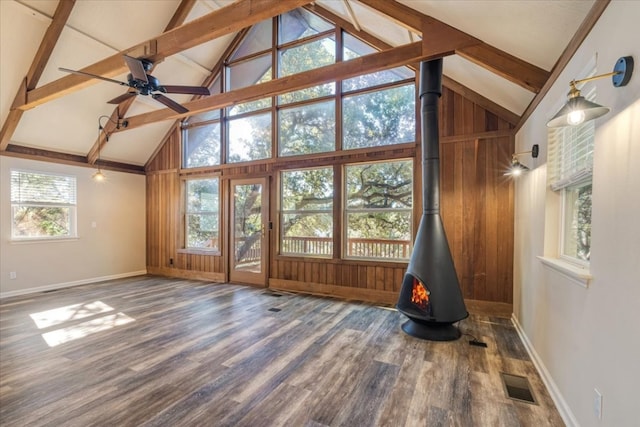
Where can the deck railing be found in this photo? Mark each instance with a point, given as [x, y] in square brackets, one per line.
[365, 248]
[323, 246]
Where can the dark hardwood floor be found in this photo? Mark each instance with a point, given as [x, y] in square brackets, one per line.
[152, 351]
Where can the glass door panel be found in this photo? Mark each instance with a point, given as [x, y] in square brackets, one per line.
[248, 231]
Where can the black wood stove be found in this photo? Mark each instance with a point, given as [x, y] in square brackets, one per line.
[430, 295]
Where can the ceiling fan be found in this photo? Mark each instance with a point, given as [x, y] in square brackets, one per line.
[142, 83]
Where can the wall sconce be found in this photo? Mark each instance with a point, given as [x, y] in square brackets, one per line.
[577, 109]
[99, 176]
[516, 167]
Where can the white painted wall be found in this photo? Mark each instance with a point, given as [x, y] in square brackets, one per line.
[114, 248]
[586, 338]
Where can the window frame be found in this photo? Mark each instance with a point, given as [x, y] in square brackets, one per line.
[578, 177]
[72, 207]
[282, 212]
[186, 212]
[346, 211]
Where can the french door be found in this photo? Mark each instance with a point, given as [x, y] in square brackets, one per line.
[249, 232]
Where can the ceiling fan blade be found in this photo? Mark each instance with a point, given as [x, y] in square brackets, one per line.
[169, 103]
[82, 73]
[137, 69]
[190, 90]
[121, 98]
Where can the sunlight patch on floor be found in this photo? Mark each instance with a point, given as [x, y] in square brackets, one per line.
[70, 333]
[56, 316]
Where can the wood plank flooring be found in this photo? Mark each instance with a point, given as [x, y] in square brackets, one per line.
[201, 354]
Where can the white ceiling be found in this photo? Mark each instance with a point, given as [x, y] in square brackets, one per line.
[535, 31]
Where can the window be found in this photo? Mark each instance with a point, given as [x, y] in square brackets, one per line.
[249, 138]
[202, 218]
[307, 56]
[570, 173]
[43, 206]
[378, 209]
[201, 145]
[379, 118]
[306, 226]
[307, 129]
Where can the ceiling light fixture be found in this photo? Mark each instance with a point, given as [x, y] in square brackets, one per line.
[99, 176]
[516, 167]
[577, 109]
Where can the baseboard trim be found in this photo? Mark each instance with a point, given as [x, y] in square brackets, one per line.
[187, 274]
[56, 286]
[345, 292]
[561, 404]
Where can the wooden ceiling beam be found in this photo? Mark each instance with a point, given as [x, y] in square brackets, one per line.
[377, 43]
[495, 60]
[391, 58]
[178, 18]
[66, 159]
[51, 36]
[226, 20]
[216, 70]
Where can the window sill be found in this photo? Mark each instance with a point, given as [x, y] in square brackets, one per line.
[214, 252]
[576, 274]
[43, 240]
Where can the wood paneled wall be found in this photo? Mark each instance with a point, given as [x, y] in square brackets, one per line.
[476, 206]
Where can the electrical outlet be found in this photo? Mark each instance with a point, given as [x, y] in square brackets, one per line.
[597, 403]
[12, 275]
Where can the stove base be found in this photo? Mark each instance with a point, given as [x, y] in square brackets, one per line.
[431, 331]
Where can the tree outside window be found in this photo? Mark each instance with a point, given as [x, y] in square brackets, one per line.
[202, 218]
[43, 206]
[379, 198]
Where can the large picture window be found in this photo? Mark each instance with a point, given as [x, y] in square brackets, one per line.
[378, 209]
[202, 214]
[306, 202]
[43, 205]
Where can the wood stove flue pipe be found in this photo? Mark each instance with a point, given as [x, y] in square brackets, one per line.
[430, 92]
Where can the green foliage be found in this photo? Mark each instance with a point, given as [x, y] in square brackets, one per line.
[583, 223]
[307, 129]
[202, 146]
[203, 200]
[34, 221]
[379, 118]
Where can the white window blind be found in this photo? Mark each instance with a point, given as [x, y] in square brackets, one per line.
[571, 152]
[42, 189]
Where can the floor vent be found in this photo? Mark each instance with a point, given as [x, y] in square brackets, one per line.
[275, 310]
[517, 387]
[273, 294]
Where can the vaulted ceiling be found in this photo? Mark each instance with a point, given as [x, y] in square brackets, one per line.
[502, 53]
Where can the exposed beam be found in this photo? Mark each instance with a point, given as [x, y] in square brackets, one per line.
[217, 69]
[395, 57]
[482, 101]
[226, 20]
[66, 159]
[179, 16]
[504, 64]
[63, 10]
[585, 28]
